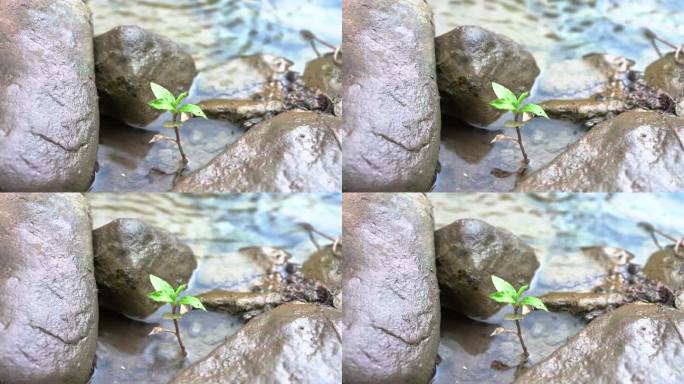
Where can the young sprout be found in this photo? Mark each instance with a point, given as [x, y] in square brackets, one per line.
[522, 306]
[522, 113]
[165, 101]
[164, 293]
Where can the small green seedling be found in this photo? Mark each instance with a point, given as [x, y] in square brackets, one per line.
[522, 306]
[522, 113]
[164, 293]
[165, 101]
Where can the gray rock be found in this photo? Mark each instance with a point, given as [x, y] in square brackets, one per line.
[637, 343]
[325, 75]
[468, 253]
[294, 343]
[667, 268]
[391, 102]
[292, 152]
[127, 251]
[667, 75]
[127, 59]
[636, 151]
[48, 315]
[49, 118]
[469, 59]
[392, 313]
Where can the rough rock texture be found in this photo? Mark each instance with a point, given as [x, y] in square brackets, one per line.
[325, 75]
[391, 102]
[241, 110]
[292, 152]
[634, 152]
[48, 299]
[392, 313]
[127, 59]
[469, 59]
[666, 267]
[325, 267]
[294, 343]
[637, 343]
[127, 251]
[49, 118]
[667, 75]
[468, 253]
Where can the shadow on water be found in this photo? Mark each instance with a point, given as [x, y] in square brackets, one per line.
[215, 227]
[557, 226]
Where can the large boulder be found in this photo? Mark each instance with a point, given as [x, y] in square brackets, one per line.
[667, 75]
[49, 117]
[293, 152]
[392, 313]
[637, 343]
[666, 267]
[127, 251]
[294, 343]
[48, 315]
[469, 59]
[127, 60]
[635, 152]
[468, 253]
[390, 99]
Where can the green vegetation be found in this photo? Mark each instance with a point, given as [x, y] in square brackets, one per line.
[522, 306]
[164, 293]
[165, 101]
[522, 113]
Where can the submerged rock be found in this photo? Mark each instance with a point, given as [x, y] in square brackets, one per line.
[639, 343]
[325, 75]
[469, 59]
[391, 102]
[127, 251]
[667, 268]
[636, 151]
[127, 59]
[292, 152]
[294, 343]
[49, 315]
[392, 313]
[246, 269]
[468, 253]
[49, 118]
[667, 75]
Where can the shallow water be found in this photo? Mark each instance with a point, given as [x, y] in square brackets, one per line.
[213, 31]
[552, 30]
[215, 227]
[556, 226]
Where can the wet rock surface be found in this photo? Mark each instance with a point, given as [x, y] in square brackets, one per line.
[293, 343]
[325, 266]
[241, 110]
[612, 349]
[389, 261]
[468, 253]
[248, 268]
[325, 74]
[49, 117]
[49, 309]
[127, 59]
[127, 251]
[636, 151]
[465, 72]
[304, 154]
[667, 75]
[391, 102]
[667, 268]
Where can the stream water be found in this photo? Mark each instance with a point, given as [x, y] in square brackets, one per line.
[214, 31]
[552, 30]
[215, 227]
[557, 226]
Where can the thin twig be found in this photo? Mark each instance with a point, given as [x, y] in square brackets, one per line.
[653, 38]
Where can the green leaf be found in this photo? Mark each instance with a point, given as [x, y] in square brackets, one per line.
[161, 105]
[521, 290]
[160, 296]
[162, 93]
[502, 297]
[504, 105]
[172, 316]
[504, 93]
[161, 285]
[534, 302]
[180, 98]
[513, 316]
[180, 289]
[193, 109]
[193, 302]
[502, 285]
[535, 110]
[522, 97]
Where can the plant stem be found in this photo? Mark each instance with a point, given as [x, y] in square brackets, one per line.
[522, 343]
[180, 342]
[520, 141]
[178, 140]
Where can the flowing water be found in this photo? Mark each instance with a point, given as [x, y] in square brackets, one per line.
[213, 31]
[215, 227]
[552, 30]
[556, 226]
